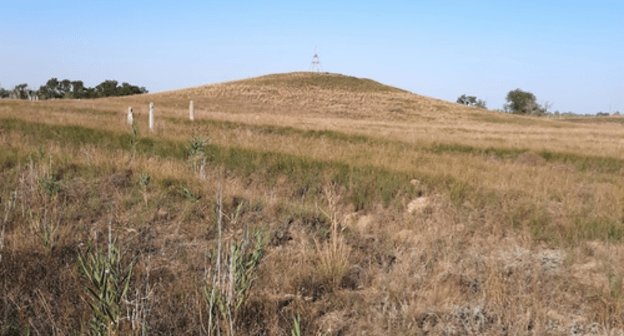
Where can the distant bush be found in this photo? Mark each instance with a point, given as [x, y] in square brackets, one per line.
[4, 93]
[471, 101]
[524, 102]
[20, 91]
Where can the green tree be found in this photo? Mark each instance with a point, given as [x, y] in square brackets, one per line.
[43, 92]
[471, 101]
[127, 89]
[90, 93]
[107, 88]
[521, 102]
[78, 89]
[51, 89]
[21, 91]
[65, 88]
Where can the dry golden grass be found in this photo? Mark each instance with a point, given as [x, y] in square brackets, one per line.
[473, 222]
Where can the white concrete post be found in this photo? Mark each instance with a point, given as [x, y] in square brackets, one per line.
[151, 116]
[191, 111]
[130, 116]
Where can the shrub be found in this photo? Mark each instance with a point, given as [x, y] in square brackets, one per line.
[522, 102]
[106, 282]
[49, 185]
[471, 101]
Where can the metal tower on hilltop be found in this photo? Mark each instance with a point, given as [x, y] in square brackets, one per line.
[316, 63]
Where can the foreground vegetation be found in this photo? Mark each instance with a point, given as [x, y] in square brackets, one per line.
[273, 214]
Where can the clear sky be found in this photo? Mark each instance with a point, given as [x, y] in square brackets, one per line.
[569, 53]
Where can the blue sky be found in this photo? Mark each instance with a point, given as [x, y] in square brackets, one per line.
[569, 53]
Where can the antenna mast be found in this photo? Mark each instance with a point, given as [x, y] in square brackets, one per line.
[316, 63]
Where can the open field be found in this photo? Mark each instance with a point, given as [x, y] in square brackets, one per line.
[375, 210]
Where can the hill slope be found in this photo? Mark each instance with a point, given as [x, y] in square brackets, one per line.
[304, 94]
[363, 209]
[322, 101]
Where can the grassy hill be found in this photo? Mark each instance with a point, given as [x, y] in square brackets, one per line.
[351, 206]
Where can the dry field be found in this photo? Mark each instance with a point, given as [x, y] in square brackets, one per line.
[307, 204]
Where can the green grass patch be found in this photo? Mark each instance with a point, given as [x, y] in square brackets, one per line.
[9, 158]
[516, 119]
[282, 131]
[364, 186]
[503, 153]
[599, 164]
[596, 229]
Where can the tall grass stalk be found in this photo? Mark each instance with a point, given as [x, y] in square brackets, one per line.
[144, 181]
[197, 154]
[296, 330]
[230, 280]
[138, 314]
[8, 206]
[332, 256]
[134, 139]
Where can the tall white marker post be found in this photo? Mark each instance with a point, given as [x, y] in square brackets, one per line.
[151, 116]
[130, 116]
[191, 111]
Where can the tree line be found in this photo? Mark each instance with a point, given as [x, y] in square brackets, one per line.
[58, 89]
[523, 102]
[518, 102]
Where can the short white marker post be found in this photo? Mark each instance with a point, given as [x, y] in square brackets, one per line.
[191, 111]
[151, 116]
[130, 116]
